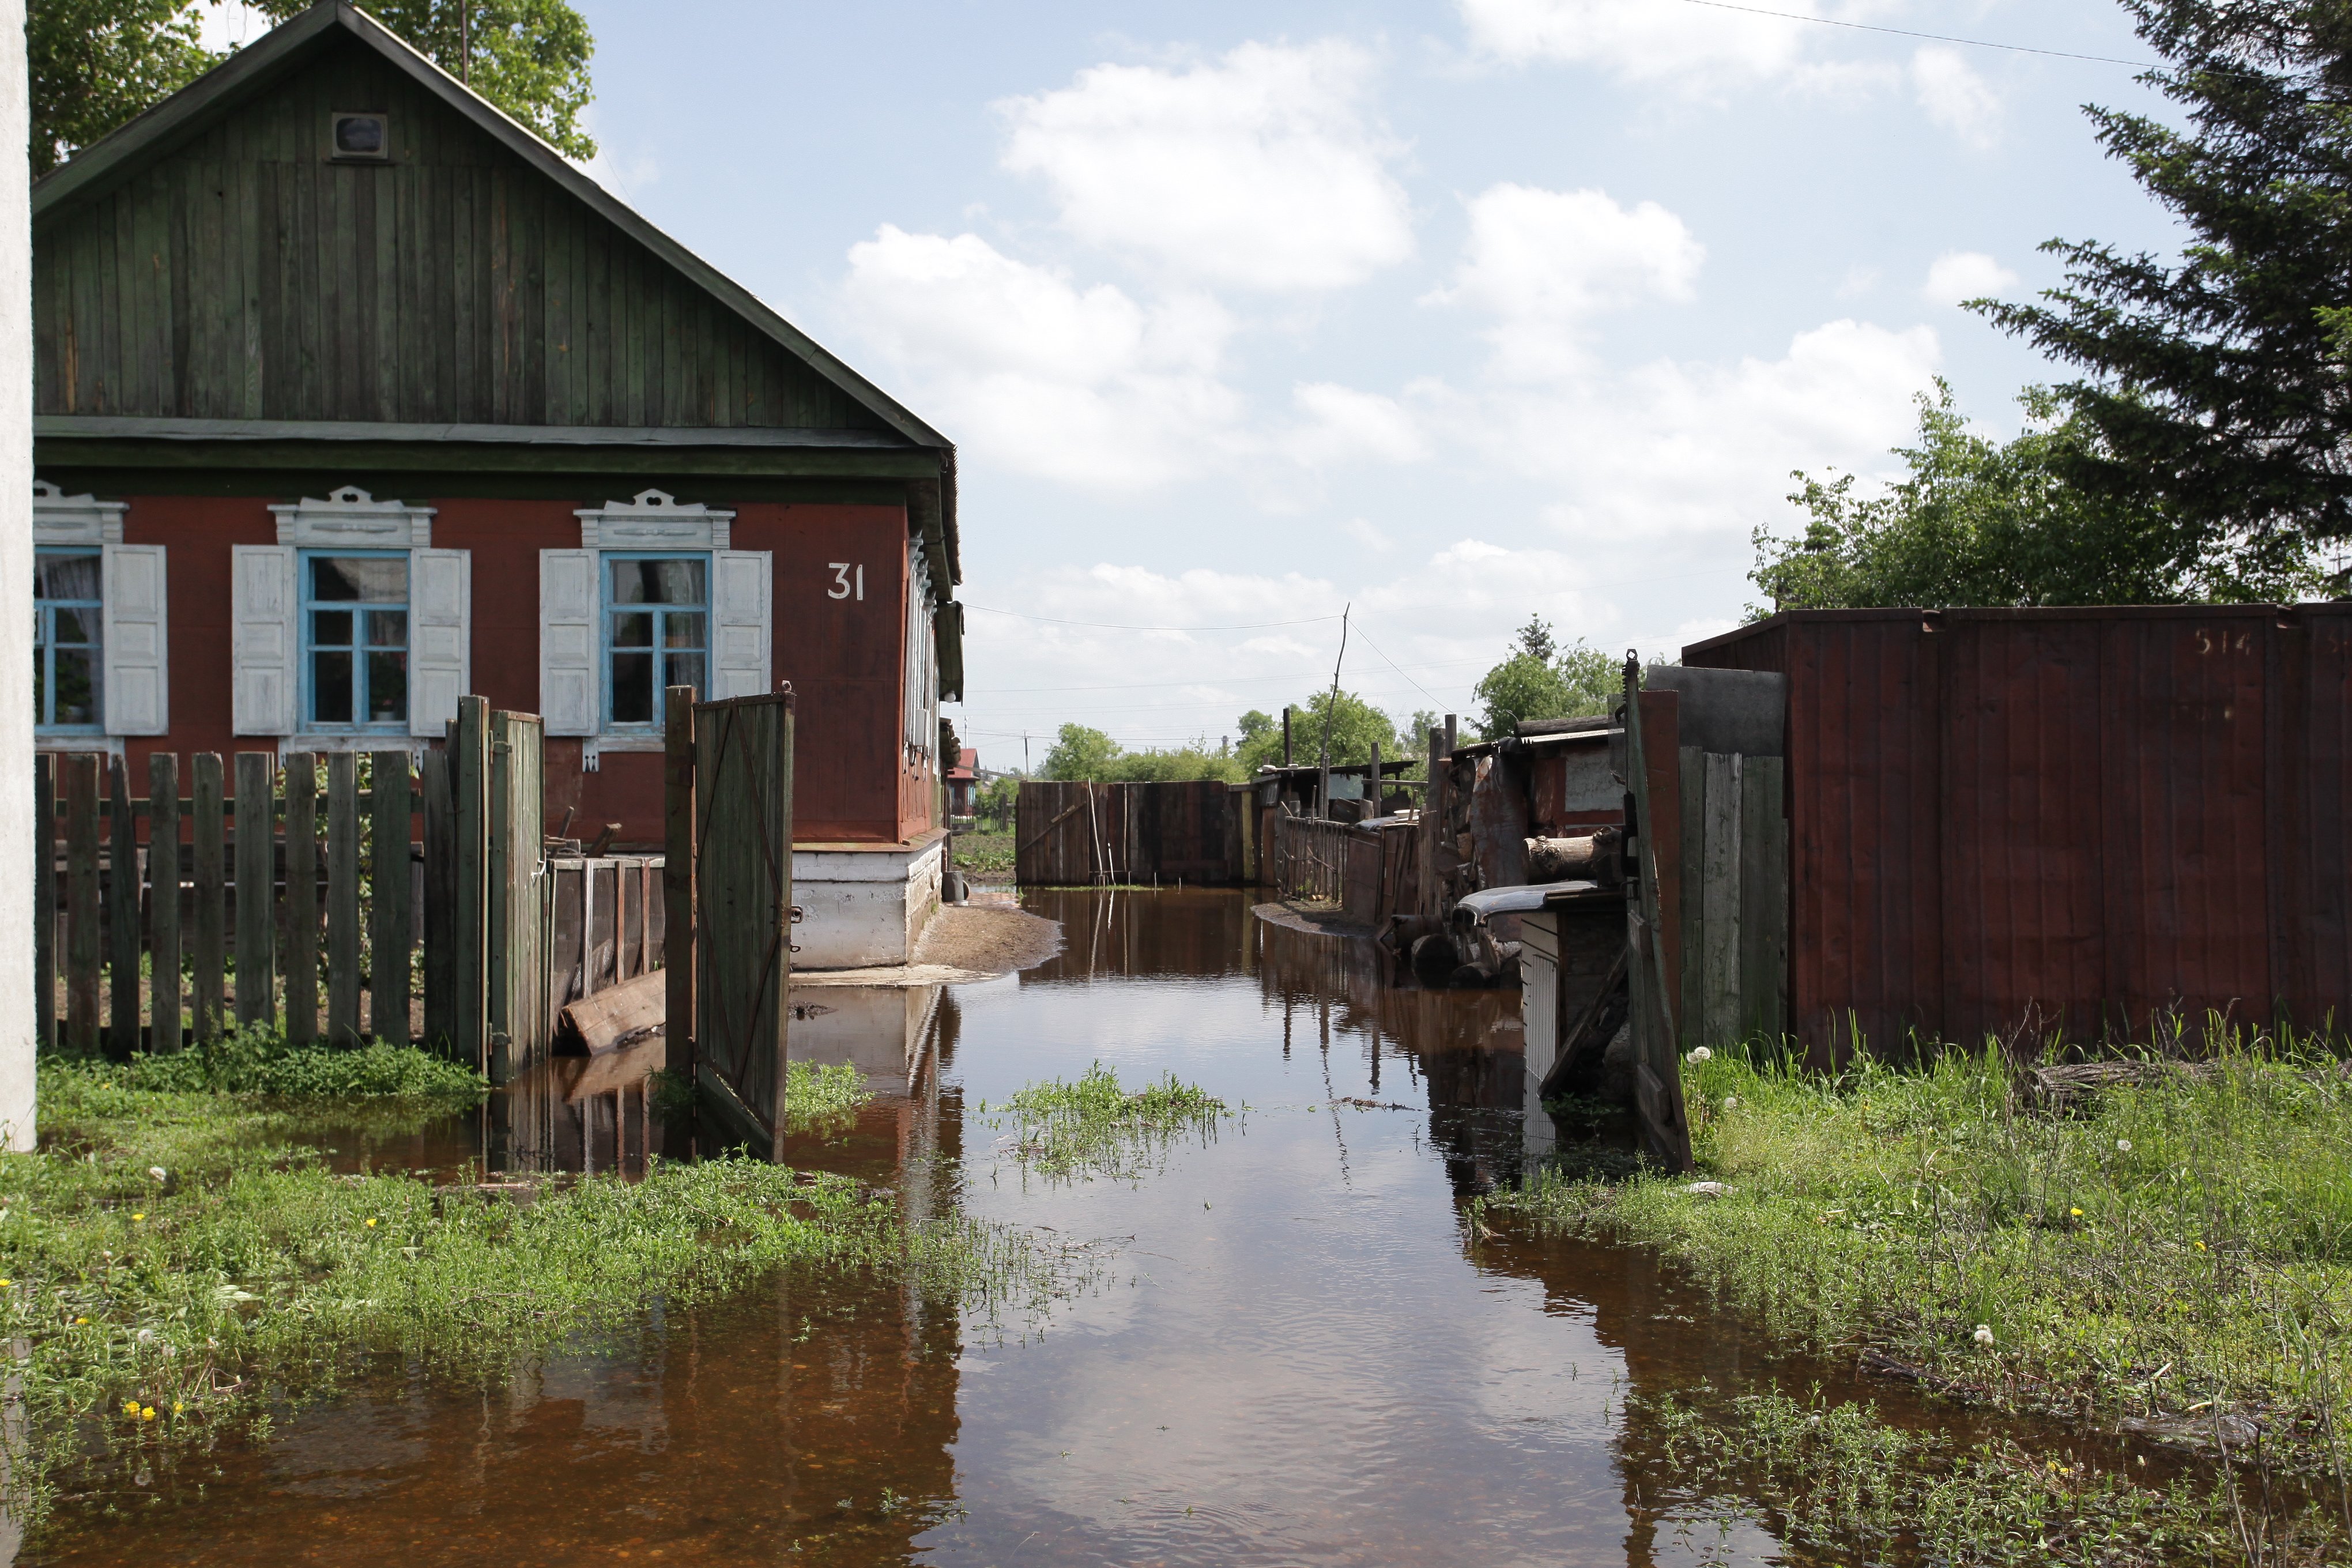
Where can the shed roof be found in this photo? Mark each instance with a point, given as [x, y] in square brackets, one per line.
[211, 289]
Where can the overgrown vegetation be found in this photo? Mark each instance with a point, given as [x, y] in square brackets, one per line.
[175, 1266]
[985, 853]
[2172, 1256]
[250, 1060]
[1838, 1482]
[1542, 679]
[1094, 1126]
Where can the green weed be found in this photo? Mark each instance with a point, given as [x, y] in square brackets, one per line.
[2174, 1256]
[1092, 1126]
[258, 1059]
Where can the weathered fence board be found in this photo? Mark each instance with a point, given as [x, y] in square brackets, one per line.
[1734, 916]
[122, 915]
[743, 883]
[208, 915]
[300, 783]
[342, 897]
[81, 903]
[514, 953]
[256, 878]
[45, 905]
[683, 1025]
[393, 930]
[163, 900]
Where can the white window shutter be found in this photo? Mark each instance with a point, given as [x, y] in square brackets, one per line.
[262, 643]
[569, 696]
[136, 692]
[440, 636]
[742, 581]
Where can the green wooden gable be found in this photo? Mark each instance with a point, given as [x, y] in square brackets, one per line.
[210, 272]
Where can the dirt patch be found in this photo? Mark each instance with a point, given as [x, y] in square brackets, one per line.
[988, 940]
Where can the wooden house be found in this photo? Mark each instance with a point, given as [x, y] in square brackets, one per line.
[353, 396]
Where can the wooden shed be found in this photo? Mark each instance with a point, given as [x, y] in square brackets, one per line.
[353, 395]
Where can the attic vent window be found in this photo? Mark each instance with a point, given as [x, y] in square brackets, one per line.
[362, 138]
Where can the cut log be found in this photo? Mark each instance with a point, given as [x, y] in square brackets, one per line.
[1597, 857]
[614, 1016]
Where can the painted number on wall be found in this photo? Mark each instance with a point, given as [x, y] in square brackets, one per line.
[2223, 642]
[843, 586]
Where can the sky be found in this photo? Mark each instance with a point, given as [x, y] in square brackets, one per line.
[1441, 315]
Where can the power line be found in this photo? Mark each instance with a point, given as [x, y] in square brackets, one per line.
[1933, 38]
[1228, 680]
[1393, 664]
[1114, 626]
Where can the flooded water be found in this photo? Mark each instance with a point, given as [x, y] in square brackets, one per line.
[1302, 1349]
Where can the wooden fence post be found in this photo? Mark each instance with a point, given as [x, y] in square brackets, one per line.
[81, 902]
[393, 926]
[256, 878]
[208, 912]
[470, 783]
[518, 975]
[342, 897]
[301, 785]
[163, 900]
[678, 946]
[122, 914]
[440, 901]
[44, 901]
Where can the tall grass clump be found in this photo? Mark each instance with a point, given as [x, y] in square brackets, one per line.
[170, 1267]
[256, 1059]
[1093, 1125]
[2169, 1254]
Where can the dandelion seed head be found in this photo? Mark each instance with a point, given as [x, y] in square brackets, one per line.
[2123, 1145]
[1701, 1054]
[1984, 1333]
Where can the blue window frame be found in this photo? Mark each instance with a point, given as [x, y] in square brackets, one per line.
[355, 639]
[656, 616]
[67, 663]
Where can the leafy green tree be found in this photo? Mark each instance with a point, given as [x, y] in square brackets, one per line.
[1080, 752]
[995, 802]
[2214, 392]
[1355, 725]
[1178, 765]
[1980, 522]
[94, 64]
[1541, 680]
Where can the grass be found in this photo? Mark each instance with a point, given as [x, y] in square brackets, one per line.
[985, 853]
[821, 1100]
[1094, 1126]
[2172, 1256]
[255, 1061]
[1839, 1483]
[174, 1267]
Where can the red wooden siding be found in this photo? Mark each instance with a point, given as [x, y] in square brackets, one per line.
[2073, 819]
[851, 781]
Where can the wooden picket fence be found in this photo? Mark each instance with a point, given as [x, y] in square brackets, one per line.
[302, 901]
[1310, 857]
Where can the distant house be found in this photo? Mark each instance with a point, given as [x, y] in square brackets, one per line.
[963, 782]
[353, 396]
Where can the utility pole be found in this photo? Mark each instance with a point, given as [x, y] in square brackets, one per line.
[1024, 755]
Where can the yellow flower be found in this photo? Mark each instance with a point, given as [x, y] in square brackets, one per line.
[137, 1217]
[131, 1408]
[148, 1414]
[82, 1319]
[6, 1284]
[2076, 1213]
[370, 1225]
[177, 1407]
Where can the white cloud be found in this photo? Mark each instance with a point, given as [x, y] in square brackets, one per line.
[230, 24]
[1667, 464]
[1958, 275]
[1087, 387]
[1641, 40]
[1543, 263]
[1259, 171]
[1342, 425]
[1954, 96]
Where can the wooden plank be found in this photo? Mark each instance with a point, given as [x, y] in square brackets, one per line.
[517, 902]
[1719, 897]
[743, 887]
[44, 901]
[677, 882]
[440, 899]
[80, 772]
[1691, 1005]
[1654, 914]
[301, 787]
[391, 938]
[256, 906]
[163, 1028]
[469, 776]
[342, 897]
[209, 907]
[122, 921]
[614, 1016]
[1763, 899]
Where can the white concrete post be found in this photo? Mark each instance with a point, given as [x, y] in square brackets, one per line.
[18, 838]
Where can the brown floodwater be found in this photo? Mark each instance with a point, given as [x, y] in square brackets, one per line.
[1299, 1347]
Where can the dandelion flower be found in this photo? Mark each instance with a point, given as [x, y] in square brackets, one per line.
[2076, 1213]
[82, 1319]
[6, 1284]
[177, 1407]
[2200, 1246]
[148, 1414]
[1700, 1054]
[370, 1225]
[2123, 1145]
[131, 1408]
[1984, 1333]
[137, 1217]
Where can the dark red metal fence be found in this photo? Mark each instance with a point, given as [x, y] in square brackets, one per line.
[2062, 819]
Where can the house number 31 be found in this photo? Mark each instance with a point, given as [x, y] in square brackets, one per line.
[843, 588]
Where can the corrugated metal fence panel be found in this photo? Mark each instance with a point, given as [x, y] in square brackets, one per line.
[2076, 819]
